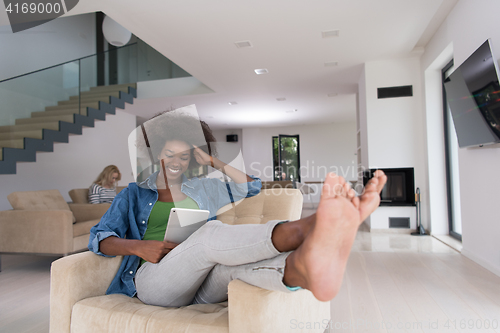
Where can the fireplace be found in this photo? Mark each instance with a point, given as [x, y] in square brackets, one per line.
[399, 189]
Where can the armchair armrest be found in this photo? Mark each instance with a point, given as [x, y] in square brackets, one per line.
[36, 231]
[74, 278]
[253, 309]
[87, 212]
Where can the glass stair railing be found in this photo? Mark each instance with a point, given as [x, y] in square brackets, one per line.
[45, 106]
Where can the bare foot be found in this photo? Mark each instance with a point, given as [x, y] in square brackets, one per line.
[370, 199]
[319, 262]
[289, 236]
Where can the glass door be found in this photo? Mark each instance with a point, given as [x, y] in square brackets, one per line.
[286, 157]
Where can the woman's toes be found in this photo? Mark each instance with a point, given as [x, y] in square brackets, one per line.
[330, 186]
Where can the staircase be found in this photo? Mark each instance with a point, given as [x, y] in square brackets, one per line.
[20, 142]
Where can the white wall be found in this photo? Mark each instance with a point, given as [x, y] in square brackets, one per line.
[75, 164]
[52, 43]
[60, 40]
[395, 129]
[228, 152]
[466, 28]
[323, 148]
[49, 44]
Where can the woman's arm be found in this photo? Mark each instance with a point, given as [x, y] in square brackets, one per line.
[149, 250]
[94, 194]
[109, 236]
[236, 175]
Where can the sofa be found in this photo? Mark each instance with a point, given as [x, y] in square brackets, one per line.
[81, 195]
[79, 282]
[43, 223]
[288, 184]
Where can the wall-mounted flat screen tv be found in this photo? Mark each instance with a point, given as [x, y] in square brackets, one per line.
[473, 95]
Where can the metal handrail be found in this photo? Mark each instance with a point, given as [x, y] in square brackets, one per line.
[67, 62]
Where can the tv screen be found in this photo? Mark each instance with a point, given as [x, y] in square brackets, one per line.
[473, 95]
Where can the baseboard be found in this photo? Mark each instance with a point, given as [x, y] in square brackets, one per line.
[393, 231]
[494, 269]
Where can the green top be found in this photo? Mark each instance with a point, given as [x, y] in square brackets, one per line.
[158, 219]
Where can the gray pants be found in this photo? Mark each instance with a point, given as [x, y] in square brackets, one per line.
[200, 268]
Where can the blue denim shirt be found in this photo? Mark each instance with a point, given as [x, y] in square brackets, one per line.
[129, 213]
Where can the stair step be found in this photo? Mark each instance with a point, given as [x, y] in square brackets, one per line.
[115, 87]
[28, 127]
[15, 143]
[39, 120]
[35, 134]
[75, 102]
[84, 105]
[59, 112]
[13, 136]
[98, 94]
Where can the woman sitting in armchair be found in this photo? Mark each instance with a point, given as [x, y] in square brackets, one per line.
[310, 253]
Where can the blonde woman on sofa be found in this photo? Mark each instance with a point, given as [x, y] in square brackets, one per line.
[310, 253]
[103, 189]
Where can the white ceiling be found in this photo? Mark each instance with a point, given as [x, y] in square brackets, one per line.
[199, 36]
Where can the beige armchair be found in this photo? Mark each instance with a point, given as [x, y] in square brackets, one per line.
[78, 284]
[41, 222]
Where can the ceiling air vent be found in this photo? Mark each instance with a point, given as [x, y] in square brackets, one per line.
[392, 92]
[330, 33]
[242, 44]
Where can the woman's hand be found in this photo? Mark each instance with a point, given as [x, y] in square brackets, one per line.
[201, 157]
[152, 250]
[149, 250]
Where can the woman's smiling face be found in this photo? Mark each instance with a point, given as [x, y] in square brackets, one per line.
[176, 156]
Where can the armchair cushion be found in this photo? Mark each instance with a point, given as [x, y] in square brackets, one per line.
[119, 313]
[38, 200]
[285, 204]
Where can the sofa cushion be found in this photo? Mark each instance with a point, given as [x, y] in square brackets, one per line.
[79, 195]
[38, 200]
[83, 228]
[120, 313]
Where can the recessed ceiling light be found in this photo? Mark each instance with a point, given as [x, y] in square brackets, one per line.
[331, 63]
[332, 94]
[242, 44]
[233, 103]
[261, 71]
[281, 99]
[330, 33]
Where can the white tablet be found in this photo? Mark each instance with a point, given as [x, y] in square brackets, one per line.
[183, 222]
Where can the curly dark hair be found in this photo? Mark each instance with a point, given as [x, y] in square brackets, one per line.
[169, 126]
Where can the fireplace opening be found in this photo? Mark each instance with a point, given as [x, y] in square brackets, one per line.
[399, 189]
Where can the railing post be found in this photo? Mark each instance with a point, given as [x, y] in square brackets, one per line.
[79, 86]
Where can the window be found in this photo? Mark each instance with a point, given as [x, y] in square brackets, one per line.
[286, 157]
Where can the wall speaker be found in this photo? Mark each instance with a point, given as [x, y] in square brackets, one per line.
[391, 92]
[232, 138]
